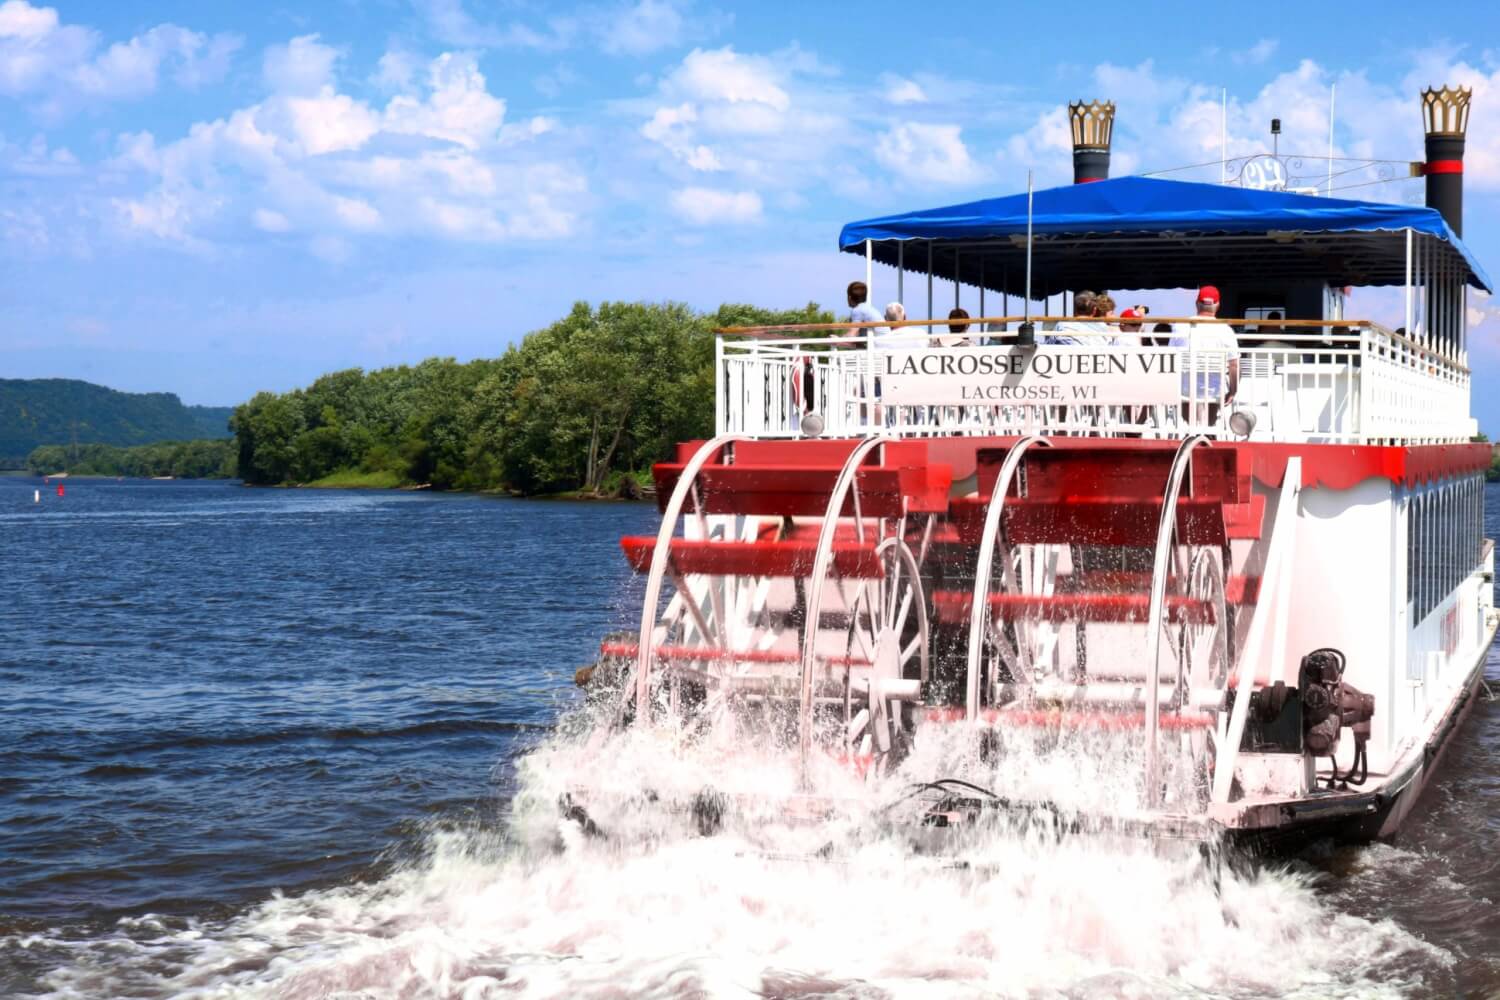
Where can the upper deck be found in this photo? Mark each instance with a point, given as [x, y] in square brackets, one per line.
[1354, 383]
[1308, 375]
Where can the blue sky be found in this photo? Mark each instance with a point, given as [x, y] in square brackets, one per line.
[214, 199]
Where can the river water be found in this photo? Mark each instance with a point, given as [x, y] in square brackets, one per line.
[304, 744]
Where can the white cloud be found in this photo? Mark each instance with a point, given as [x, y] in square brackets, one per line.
[18, 19]
[531, 128]
[771, 120]
[726, 75]
[458, 108]
[927, 153]
[1257, 53]
[303, 65]
[395, 71]
[706, 206]
[669, 127]
[167, 215]
[271, 222]
[38, 159]
[355, 213]
[641, 28]
[330, 122]
[666, 121]
[630, 28]
[332, 249]
[450, 23]
[442, 163]
[61, 65]
[1478, 308]
[552, 83]
[1046, 148]
[899, 90]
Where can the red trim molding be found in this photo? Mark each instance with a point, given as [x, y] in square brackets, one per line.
[1330, 466]
[1342, 466]
[1443, 167]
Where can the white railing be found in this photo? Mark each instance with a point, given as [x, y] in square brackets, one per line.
[1358, 383]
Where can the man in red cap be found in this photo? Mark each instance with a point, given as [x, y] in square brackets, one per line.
[1213, 375]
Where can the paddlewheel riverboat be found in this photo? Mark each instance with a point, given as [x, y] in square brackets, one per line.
[1264, 570]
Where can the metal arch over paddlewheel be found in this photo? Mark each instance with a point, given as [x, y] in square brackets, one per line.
[1102, 547]
[832, 596]
[797, 613]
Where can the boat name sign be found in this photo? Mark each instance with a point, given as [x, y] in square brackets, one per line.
[1045, 375]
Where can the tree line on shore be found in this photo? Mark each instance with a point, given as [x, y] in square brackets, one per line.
[202, 459]
[586, 404]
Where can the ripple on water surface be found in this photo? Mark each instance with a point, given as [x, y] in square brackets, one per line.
[298, 744]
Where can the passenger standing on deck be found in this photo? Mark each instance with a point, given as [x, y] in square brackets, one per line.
[1216, 361]
[860, 311]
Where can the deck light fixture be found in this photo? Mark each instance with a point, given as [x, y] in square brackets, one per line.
[1242, 422]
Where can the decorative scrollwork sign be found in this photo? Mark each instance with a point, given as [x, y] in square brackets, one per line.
[1263, 173]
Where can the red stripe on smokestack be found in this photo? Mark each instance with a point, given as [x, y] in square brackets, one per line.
[1445, 116]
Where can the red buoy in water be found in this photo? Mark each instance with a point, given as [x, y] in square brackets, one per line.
[59, 489]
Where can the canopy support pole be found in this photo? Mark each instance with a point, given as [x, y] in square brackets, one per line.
[1408, 328]
[869, 269]
[1332, 91]
[1223, 134]
[955, 278]
[901, 272]
[929, 281]
[1028, 246]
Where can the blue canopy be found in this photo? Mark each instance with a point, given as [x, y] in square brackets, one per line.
[1142, 232]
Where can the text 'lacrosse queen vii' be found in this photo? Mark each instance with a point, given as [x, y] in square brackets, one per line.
[1047, 375]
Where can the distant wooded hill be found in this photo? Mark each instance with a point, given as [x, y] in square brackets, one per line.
[45, 411]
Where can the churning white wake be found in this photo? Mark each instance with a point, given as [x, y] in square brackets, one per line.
[839, 904]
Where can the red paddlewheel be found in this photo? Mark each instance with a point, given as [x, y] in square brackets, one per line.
[803, 490]
[1244, 520]
[1070, 719]
[1128, 470]
[859, 763]
[1091, 520]
[1237, 589]
[953, 607]
[857, 560]
[705, 654]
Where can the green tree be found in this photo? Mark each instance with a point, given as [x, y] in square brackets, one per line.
[574, 406]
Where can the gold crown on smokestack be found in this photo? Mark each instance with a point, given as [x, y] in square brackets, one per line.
[1446, 111]
[1093, 123]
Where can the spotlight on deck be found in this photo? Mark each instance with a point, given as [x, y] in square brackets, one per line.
[1242, 422]
[812, 425]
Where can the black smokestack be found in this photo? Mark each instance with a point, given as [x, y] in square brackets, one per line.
[1445, 115]
[1093, 124]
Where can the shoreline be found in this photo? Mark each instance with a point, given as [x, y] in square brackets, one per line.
[566, 496]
